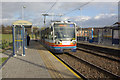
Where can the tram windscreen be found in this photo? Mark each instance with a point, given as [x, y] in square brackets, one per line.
[64, 31]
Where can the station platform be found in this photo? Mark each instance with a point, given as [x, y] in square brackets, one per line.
[100, 45]
[38, 62]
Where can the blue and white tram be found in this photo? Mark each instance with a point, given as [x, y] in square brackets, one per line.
[60, 36]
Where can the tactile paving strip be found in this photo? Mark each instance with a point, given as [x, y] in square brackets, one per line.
[50, 67]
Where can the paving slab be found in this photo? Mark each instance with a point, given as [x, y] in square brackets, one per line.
[29, 66]
[38, 62]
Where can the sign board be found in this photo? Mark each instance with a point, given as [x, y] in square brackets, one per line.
[115, 34]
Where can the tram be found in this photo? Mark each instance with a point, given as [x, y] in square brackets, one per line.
[59, 36]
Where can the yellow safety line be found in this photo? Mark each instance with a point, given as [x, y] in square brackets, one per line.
[18, 40]
[66, 66]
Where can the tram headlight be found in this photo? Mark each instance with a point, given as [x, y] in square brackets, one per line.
[74, 42]
[55, 42]
[58, 42]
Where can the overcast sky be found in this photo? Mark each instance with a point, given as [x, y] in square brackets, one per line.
[93, 14]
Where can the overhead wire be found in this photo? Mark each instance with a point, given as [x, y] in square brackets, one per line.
[51, 6]
[46, 13]
[77, 8]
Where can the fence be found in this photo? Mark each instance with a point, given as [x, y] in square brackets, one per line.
[6, 40]
[105, 35]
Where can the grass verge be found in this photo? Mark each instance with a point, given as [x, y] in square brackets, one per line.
[3, 60]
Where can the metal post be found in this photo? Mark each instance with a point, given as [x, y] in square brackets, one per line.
[92, 34]
[86, 36]
[23, 33]
[17, 39]
[21, 37]
[81, 31]
[81, 19]
[44, 20]
[52, 16]
[98, 36]
[26, 39]
[23, 12]
[13, 33]
[32, 32]
[119, 35]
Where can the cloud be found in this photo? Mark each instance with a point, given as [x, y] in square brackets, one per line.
[100, 20]
[61, 0]
[82, 18]
[0, 10]
[65, 18]
[12, 11]
[104, 16]
[33, 11]
[77, 18]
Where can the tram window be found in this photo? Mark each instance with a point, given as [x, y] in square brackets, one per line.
[51, 33]
[45, 36]
[50, 37]
[51, 28]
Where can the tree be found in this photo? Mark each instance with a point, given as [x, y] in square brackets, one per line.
[3, 29]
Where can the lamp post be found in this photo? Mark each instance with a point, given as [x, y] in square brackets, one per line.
[81, 19]
[23, 7]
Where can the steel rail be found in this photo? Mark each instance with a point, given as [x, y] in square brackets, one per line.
[94, 66]
[81, 75]
[95, 53]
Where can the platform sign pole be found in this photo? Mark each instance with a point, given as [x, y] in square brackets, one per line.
[23, 33]
[13, 33]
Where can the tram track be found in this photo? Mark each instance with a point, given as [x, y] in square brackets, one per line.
[81, 75]
[109, 57]
[90, 65]
[102, 50]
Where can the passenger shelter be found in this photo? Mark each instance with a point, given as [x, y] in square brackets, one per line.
[19, 31]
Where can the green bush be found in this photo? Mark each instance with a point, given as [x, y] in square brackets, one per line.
[4, 44]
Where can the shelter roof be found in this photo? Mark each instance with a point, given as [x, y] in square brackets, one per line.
[22, 22]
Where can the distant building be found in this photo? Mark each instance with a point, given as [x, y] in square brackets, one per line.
[117, 23]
